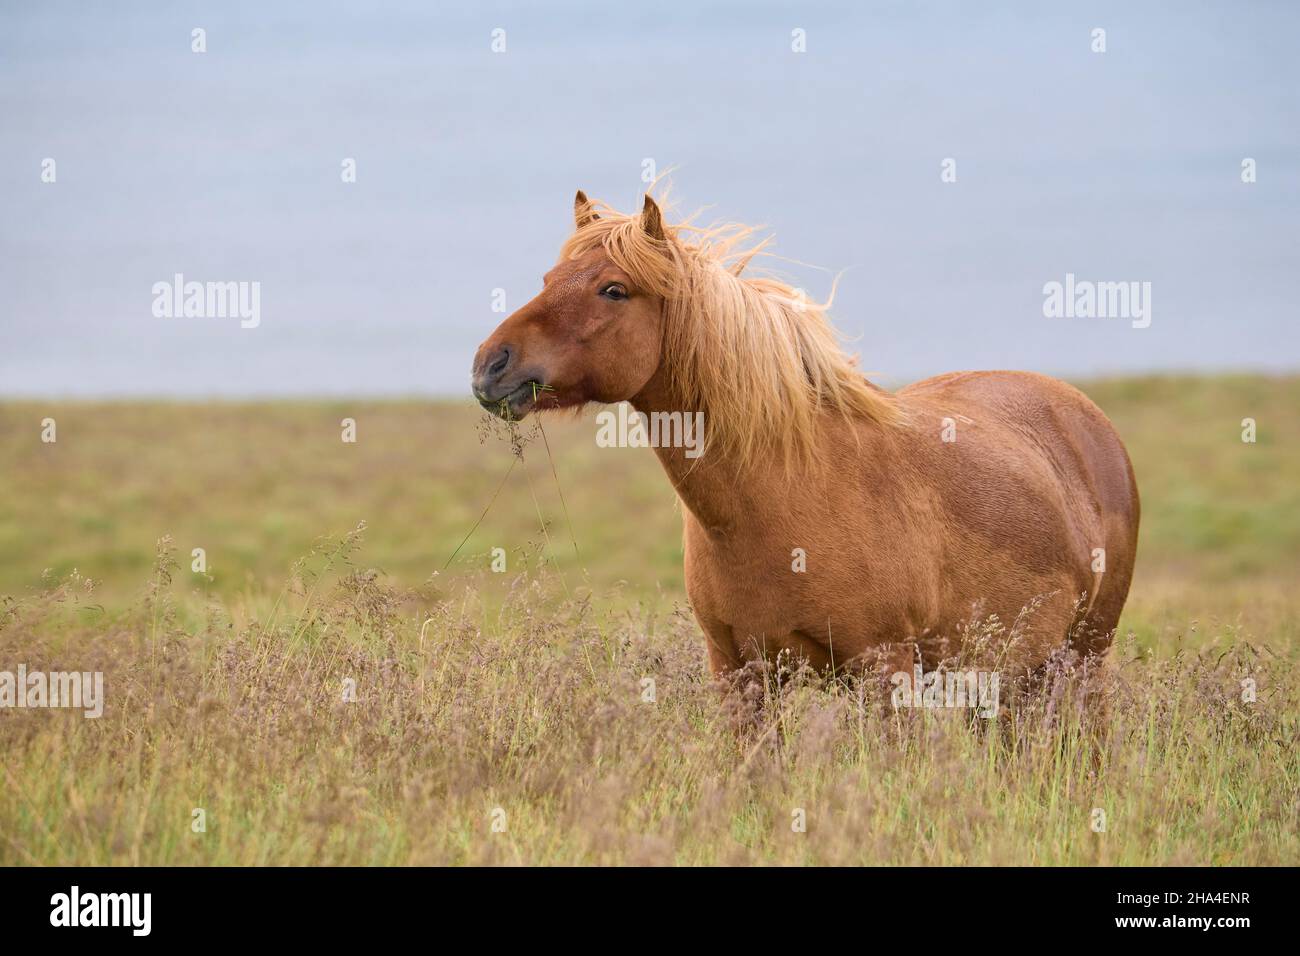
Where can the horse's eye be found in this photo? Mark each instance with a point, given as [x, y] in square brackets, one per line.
[614, 291]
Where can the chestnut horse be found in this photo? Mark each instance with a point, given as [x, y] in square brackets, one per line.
[827, 517]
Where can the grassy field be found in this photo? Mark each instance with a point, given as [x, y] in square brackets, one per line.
[503, 717]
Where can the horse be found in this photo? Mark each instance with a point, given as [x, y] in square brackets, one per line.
[828, 518]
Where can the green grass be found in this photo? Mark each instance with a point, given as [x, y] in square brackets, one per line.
[523, 691]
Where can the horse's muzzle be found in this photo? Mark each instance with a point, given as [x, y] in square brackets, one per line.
[510, 405]
[501, 387]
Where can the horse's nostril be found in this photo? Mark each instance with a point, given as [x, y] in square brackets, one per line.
[501, 362]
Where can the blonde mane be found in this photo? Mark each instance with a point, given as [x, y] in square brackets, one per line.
[752, 353]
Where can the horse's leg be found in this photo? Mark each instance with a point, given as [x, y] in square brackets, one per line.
[723, 656]
[741, 691]
[1093, 634]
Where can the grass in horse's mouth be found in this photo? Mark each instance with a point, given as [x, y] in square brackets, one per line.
[503, 406]
[535, 387]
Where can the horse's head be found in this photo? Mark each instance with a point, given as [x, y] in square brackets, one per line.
[591, 335]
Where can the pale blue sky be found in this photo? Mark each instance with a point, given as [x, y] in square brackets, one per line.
[225, 166]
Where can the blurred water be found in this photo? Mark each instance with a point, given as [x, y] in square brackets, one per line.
[226, 166]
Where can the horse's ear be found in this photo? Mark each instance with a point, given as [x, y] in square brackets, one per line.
[583, 214]
[652, 221]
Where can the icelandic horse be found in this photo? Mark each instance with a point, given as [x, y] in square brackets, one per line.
[993, 493]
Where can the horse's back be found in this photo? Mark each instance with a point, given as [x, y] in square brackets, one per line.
[1066, 426]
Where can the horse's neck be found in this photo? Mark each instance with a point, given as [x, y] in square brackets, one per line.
[715, 491]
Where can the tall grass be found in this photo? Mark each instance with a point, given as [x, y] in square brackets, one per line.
[532, 713]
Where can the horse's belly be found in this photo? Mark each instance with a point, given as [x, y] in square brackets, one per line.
[826, 602]
[836, 604]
